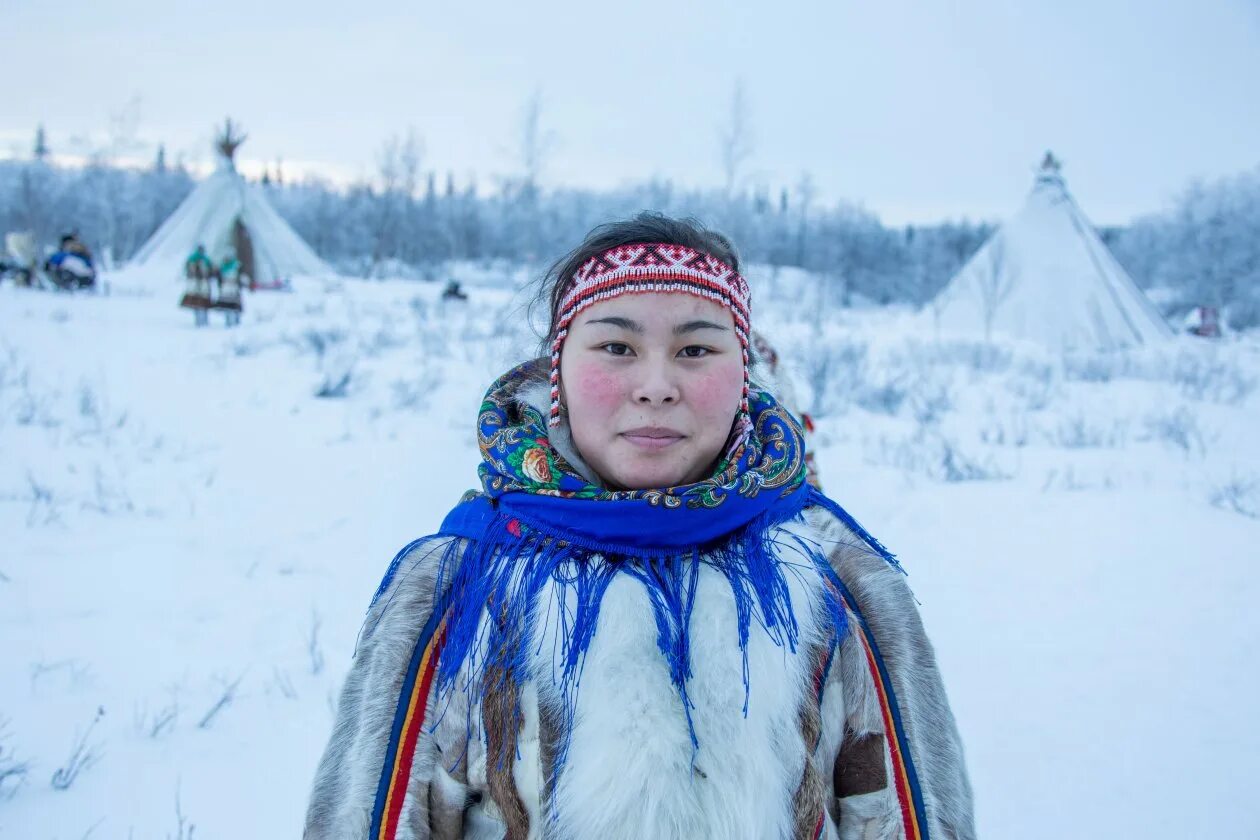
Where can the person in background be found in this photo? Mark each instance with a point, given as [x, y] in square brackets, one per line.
[198, 270]
[229, 297]
[454, 291]
[70, 266]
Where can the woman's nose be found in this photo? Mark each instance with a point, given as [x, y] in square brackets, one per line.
[657, 386]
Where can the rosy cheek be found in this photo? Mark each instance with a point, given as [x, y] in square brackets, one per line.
[717, 392]
[593, 385]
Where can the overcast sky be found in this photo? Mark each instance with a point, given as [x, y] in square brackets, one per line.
[918, 109]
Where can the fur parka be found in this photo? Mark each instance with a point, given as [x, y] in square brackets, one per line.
[775, 764]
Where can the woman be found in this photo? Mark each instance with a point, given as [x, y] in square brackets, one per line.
[229, 298]
[198, 269]
[647, 624]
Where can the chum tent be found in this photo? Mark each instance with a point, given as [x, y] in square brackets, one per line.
[1046, 276]
[226, 211]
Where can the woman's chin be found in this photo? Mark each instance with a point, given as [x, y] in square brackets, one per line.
[647, 477]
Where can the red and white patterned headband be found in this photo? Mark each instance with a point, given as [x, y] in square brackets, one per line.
[647, 268]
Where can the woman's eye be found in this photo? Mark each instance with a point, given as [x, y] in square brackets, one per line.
[694, 352]
[614, 348]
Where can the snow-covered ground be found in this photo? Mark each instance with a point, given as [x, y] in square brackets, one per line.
[191, 535]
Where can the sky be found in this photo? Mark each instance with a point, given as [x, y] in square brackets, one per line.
[919, 110]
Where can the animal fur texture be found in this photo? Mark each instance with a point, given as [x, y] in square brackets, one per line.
[632, 770]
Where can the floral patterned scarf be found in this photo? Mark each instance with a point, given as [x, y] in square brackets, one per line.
[522, 474]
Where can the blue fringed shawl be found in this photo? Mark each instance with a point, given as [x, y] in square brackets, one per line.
[538, 522]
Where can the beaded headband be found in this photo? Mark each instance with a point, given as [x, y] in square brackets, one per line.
[646, 268]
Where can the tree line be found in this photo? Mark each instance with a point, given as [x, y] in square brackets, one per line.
[1205, 249]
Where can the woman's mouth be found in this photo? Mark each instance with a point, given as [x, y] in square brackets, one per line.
[652, 437]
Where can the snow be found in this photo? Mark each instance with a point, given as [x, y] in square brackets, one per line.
[182, 515]
[1045, 276]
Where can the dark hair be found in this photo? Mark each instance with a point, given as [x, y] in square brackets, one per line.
[645, 227]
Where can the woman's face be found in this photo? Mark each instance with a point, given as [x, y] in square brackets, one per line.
[652, 383]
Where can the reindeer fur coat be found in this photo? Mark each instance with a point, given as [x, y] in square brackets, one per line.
[791, 766]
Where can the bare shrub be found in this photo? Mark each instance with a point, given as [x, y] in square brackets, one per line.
[416, 393]
[283, 683]
[108, 496]
[884, 398]
[335, 384]
[43, 509]
[84, 753]
[1069, 481]
[1239, 494]
[1080, 432]
[184, 827]
[1094, 367]
[978, 356]
[929, 401]
[1034, 384]
[380, 340]
[938, 457]
[1178, 428]
[78, 674]
[320, 340]
[1011, 432]
[956, 465]
[227, 695]
[835, 372]
[159, 722]
[1211, 378]
[32, 409]
[13, 771]
[245, 346]
[314, 650]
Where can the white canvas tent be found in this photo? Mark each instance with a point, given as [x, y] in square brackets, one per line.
[226, 211]
[1046, 276]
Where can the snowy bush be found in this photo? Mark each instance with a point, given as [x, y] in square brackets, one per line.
[977, 356]
[321, 340]
[1239, 494]
[185, 829]
[1034, 384]
[835, 371]
[30, 408]
[882, 398]
[246, 345]
[226, 696]
[334, 359]
[156, 723]
[1178, 428]
[1094, 367]
[929, 400]
[1012, 431]
[1079, 431]
[936, 456]
[43, 505]
[381, 340]
[84, 754]
[416, 393]
[336, 377]
[1212, 378]
[13, 771]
